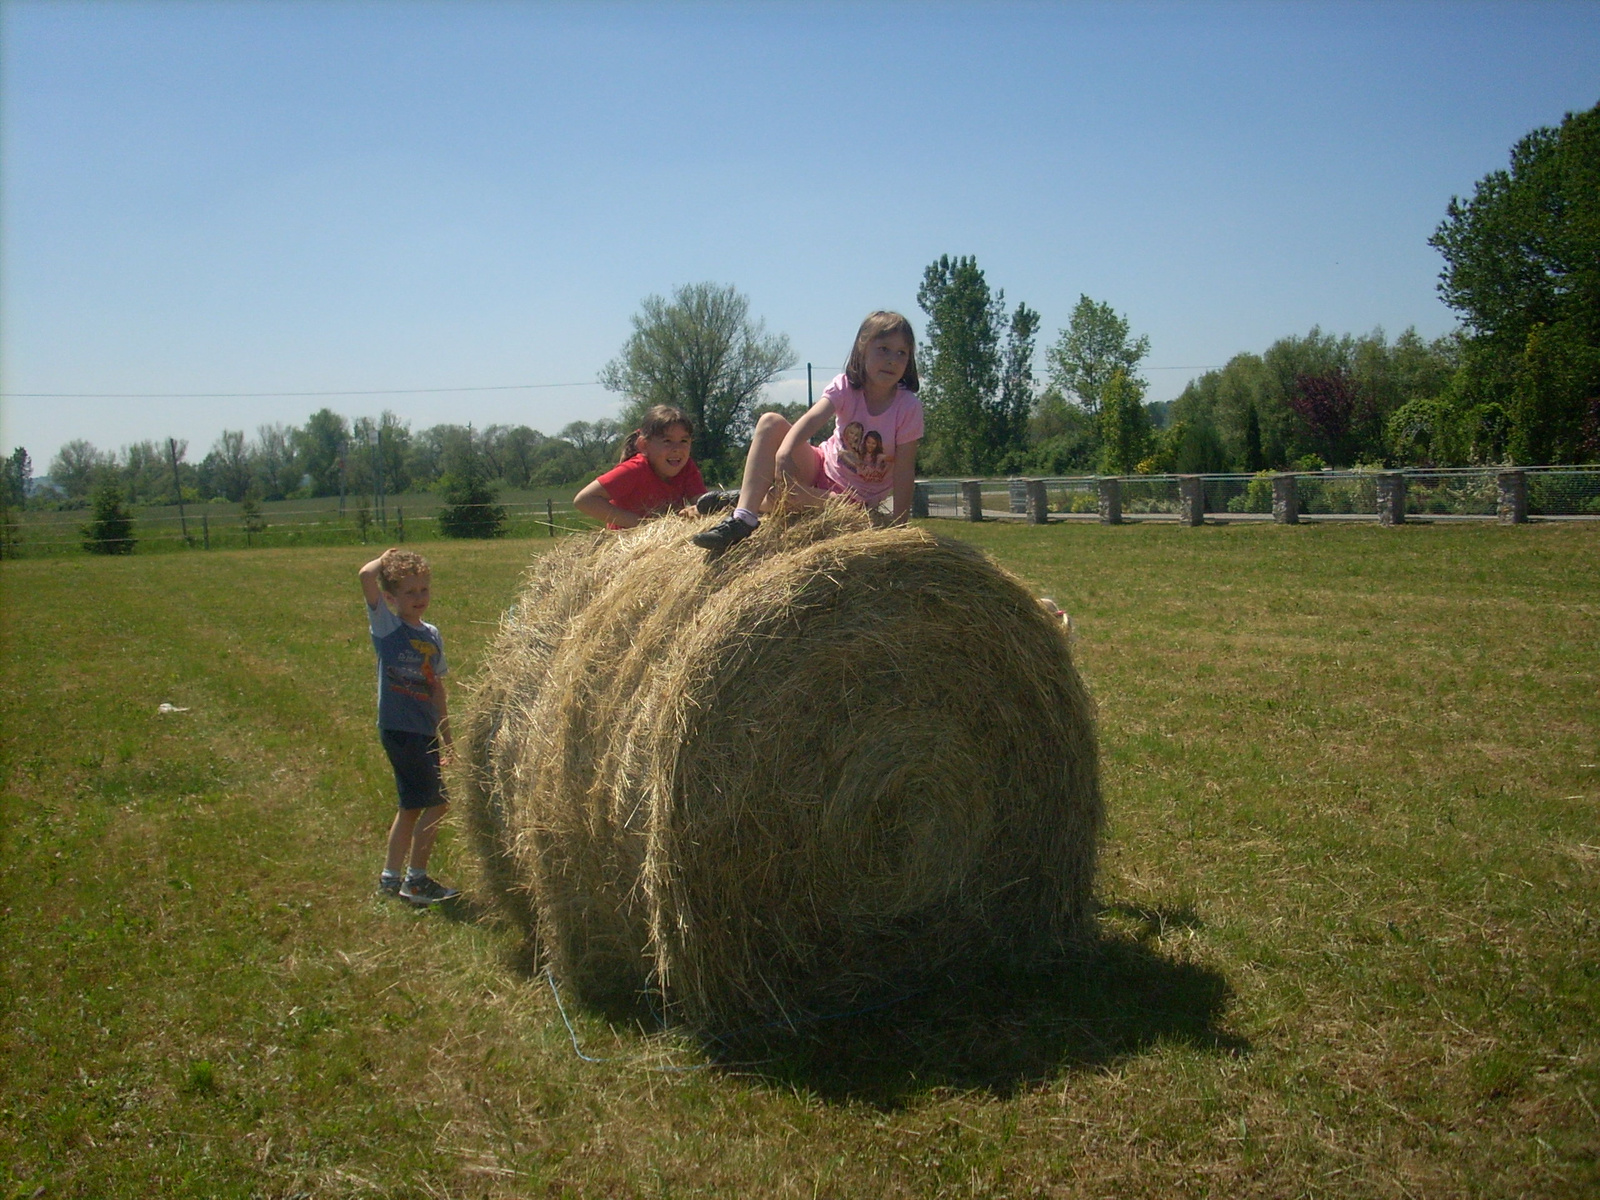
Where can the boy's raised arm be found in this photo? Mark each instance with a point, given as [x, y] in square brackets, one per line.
[370, 587]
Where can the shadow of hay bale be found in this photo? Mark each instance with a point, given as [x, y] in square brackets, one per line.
[1000, 1031]
[832, 765]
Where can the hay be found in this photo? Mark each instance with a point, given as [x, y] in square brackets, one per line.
[808, 775]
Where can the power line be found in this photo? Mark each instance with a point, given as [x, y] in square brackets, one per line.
[499, 387]
[502, 387]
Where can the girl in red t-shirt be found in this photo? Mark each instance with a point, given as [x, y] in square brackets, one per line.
[656, 474]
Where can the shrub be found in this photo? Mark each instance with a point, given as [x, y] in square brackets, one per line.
[110, 529]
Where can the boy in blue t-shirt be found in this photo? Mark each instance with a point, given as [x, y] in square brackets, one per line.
[413, 720]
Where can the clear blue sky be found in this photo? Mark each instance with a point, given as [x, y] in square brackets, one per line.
[317, 197]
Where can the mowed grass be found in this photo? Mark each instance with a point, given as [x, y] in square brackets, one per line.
[1349, 938]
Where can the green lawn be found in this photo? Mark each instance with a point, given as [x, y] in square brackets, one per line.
[1350, 895]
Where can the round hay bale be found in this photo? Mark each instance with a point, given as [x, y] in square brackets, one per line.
[797, 779]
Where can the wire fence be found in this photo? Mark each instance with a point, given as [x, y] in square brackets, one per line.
[1464, 493]
[229, 527]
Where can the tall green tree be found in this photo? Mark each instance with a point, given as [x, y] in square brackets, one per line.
[1017, 392]
[320, 446]
[977, 390]
[1095, 344]
[960, 367]
[1522, 267]
[1124, 426]
[702, 353]
[16, 473]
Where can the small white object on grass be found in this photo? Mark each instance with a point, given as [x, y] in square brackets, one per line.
[169, 708]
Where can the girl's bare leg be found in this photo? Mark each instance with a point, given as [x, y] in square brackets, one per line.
[761, 462]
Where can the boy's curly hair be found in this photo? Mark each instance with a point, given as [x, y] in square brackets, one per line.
[397, 564]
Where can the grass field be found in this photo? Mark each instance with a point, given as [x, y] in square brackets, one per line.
[1349, 929]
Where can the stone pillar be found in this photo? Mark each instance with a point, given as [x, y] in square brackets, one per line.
[1285, 500]
[1191, 500]
[919, 500]
[1391, 498]
[1038, 507]
[1513, 487]
[1110, 500]
[972, 499]
[1017, 493]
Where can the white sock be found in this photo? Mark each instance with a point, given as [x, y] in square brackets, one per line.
[749, 518]
[415, 873]
[388, 874]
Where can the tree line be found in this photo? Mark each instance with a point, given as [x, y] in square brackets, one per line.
[332, 455]
[1519, 381]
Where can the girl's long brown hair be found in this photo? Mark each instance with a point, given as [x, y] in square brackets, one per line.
[655, 423]
[876, 326]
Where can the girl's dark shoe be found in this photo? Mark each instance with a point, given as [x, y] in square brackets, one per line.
[726, 532]
[715, 502]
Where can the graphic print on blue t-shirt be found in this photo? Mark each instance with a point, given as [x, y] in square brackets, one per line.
[410, 659]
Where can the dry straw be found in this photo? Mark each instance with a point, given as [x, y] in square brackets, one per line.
[795, 780]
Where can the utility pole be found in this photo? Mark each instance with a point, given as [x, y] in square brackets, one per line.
[177, 486]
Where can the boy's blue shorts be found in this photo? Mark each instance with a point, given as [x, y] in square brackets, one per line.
[415, 759]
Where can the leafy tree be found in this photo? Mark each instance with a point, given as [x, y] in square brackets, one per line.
[1062, 439]
[276, 474]
[77, 467]
[702, 353]
[393, 453]
[434, 452]
[516, 452]
[1326, 401]
[597, 442]
[110, 528]
[146, 475]
[1124, 427]
[226, 468]
[1522, 267]
[976, 396]
[1254, 460]
[1094, 345]
[319, 448]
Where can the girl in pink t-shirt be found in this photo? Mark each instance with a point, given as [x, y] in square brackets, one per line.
[871, 456]
[656, 474]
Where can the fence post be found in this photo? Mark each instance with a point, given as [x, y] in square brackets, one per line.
[205, 530]
[1191, 500]
[1038, 506]
[400, 520]
[972, 499]
[549, 518]
[1285, 500]
[1391, 498]
[1110, 500]
[1017, 494]
[919, 500]
[1513, 489]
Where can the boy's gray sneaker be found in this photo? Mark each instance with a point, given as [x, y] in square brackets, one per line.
[715, 502]
[726, 532]
[389, 885]
[426, 891]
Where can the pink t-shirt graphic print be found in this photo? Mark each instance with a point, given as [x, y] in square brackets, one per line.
[860, 455]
